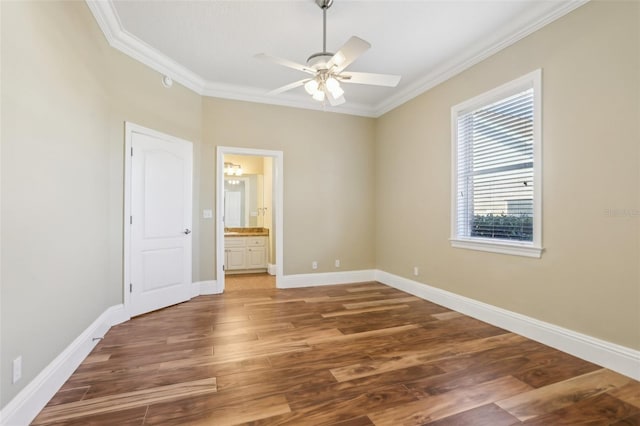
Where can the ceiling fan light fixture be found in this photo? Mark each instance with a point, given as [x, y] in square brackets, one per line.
[326, 68]
[337, 92]
[318, 96]
[311, 86]
[332, 84]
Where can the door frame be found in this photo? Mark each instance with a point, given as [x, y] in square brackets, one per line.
[129, 129]
[278, 191]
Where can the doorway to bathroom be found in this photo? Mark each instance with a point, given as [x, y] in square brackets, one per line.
[249, 218]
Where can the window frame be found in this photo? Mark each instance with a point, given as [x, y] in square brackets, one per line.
[519, 248]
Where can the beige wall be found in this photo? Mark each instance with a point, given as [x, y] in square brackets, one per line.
[328, 175]
[66, 94]
[65, 97]
[588, 278]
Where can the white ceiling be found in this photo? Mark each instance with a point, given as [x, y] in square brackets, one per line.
[209, 46]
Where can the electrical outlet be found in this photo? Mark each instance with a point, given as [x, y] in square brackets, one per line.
[314, 265]
[337, 263]
[416, 272]
[17, 369]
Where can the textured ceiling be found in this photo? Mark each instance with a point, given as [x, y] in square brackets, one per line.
[209, 46]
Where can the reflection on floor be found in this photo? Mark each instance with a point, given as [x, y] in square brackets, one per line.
[239, 282]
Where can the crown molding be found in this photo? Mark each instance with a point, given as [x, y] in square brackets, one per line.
[473, 57]
[105, 15]
[252, 94]
[107, 18]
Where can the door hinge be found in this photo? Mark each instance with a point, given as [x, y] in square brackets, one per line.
[130, 220]
[223, 267]
[132, 151]
[130, 288]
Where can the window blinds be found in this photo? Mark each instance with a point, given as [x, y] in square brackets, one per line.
[495, 169]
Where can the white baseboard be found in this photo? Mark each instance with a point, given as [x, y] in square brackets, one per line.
[610, 355]
[117, 315]
[326, 278]
[272, 269]
[26, 405]
[207, 287]
[22, 409]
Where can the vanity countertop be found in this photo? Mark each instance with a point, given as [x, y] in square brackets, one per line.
[246, 232]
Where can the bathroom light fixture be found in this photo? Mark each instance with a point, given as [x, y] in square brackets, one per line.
[231, 169]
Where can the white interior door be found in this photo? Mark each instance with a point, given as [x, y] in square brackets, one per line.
[160, 223]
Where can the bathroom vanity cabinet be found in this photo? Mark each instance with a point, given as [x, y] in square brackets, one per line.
[245, 253]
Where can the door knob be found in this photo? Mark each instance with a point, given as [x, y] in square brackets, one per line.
[187, 231]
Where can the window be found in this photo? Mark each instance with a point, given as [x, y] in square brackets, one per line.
[496, 147]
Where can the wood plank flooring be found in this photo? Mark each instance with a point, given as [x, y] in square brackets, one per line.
[357, 355]
[234, 282]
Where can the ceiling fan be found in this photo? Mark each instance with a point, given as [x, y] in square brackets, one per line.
[327, 70]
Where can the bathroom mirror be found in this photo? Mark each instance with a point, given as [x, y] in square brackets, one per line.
[244, 201]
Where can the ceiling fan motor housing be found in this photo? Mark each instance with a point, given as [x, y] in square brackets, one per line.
[324, 4]
[319, 61]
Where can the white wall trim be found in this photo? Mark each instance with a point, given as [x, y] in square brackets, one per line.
[475, 55]
[26, 405]
[531, 80]
[238, 93]
[326, 278]
[272, 268]
[502, 247]
[610, 355]
[205, 288]
[107, 18]
[277, 206]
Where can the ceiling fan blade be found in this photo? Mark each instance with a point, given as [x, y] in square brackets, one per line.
[370, 78]
[285, 62]
[288, 87]
[352, 49]
[334, 101]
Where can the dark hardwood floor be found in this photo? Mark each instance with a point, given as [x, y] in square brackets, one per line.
[361, 354]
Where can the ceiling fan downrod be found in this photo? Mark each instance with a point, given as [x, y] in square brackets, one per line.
[323, 57]
[324, 5]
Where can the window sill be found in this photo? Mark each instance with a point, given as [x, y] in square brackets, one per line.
[502, 247]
